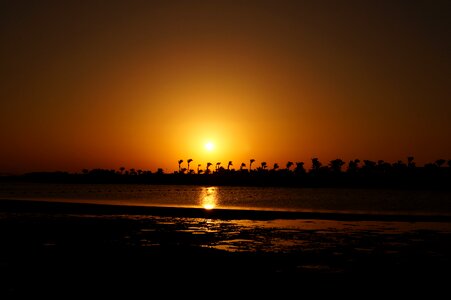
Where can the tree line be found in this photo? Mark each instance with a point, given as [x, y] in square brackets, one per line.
[335, 173]
[334, 166]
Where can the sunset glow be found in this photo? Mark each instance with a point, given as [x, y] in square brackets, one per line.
[209, 198]
[275, 81]
[209, 146]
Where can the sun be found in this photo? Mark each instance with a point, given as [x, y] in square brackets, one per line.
[209, 146]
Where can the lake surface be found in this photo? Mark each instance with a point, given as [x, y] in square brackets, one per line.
[259, 198]
[312, 246]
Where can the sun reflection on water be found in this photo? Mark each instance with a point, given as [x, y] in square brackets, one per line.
[209, 197]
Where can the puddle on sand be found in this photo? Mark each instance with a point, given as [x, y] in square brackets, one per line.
[287, 235]
[236, 245]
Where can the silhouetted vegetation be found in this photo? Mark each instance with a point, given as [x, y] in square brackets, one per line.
[370, 174]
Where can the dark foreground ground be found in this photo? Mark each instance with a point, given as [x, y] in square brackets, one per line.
[59, 249]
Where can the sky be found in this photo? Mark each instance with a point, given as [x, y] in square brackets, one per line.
[142, 84]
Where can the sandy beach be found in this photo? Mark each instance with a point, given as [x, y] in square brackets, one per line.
[44, 243]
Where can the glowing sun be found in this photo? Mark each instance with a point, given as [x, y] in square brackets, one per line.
[209, 146]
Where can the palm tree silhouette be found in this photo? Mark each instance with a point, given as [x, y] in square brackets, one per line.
[242, 166]
[275, 167]
[383, 166]
[180, 162]
[289, 165]
[228, 165]
[353, 165]
[369, 165]
[250, 164]
[316, 164]
[189, 161]
[299, 168]
[217, 166]
[264, 165]
[198, 169]
[336, 165]
[209, 164]
[440, 162]
[410, 162]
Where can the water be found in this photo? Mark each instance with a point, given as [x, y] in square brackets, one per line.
[320, 245]
[260, 198]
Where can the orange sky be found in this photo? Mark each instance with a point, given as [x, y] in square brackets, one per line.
[142, 84]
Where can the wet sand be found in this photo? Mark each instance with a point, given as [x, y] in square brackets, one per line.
[45, 245]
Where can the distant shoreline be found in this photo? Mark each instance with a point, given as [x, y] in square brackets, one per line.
[40, 206]
[404, 179]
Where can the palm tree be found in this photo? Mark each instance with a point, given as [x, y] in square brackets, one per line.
[353, 165]
[180, 162]
[275, 167]
[410, 162]
[228, 165]
[336, 165]
[209, 164]
[198, 169]
[250, 164]
[369, 165]
[289, 165]
[189, 161]
[440, 162]
[316, 164]
[217, 166]
[243, 165]
[299, 168]
[384, 166]
[264, 165]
